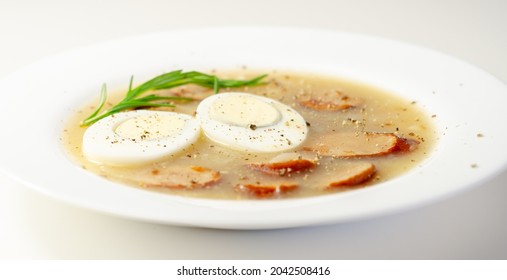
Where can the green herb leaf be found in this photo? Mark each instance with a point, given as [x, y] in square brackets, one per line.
[134, 98]
[102, 101]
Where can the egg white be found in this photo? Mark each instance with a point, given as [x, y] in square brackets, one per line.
[147, 136]
[257, 123]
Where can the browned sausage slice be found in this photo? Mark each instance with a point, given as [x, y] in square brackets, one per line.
[286, 163]
[359, 144]
[352, 175]
[283, 168]
[181, 177]
[329, 101]
[265, 191]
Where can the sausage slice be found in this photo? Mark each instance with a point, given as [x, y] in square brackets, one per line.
[329, 101]
[286, 164]
[352, 175]
[179, 177]
[265, 191]
[360, 144]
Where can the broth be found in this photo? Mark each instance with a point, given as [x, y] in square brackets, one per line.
[379, 112]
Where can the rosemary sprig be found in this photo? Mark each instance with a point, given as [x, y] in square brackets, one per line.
[134, 98]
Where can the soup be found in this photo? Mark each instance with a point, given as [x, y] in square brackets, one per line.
[354, 136]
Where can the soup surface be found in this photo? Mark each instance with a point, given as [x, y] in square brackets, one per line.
[357, 136]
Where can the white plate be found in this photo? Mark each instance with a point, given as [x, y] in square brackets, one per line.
[467, 101]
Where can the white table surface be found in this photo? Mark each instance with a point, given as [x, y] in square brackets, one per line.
[470, 225]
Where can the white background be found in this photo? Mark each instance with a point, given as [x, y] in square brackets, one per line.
[470, 225]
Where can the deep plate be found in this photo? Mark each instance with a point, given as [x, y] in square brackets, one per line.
[466, 100]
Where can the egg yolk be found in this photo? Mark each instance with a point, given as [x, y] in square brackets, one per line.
[150, 127]
[244, 111]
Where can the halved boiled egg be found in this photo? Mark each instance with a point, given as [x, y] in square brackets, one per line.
[250, 122]
[139, 136]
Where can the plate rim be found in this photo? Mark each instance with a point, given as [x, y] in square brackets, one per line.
[258, 224]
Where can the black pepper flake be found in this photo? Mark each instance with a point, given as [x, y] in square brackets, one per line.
[252, 126]
[307, 124]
